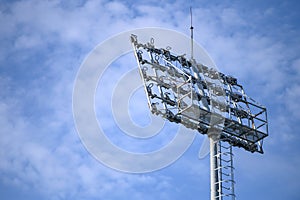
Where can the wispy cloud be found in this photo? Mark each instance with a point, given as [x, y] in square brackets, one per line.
[42, 46]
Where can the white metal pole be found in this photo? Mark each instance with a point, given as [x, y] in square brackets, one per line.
[212, 169]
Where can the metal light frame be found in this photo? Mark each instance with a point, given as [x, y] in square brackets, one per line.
[201, 98]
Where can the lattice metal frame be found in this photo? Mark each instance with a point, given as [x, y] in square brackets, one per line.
[177, 87]
[201, 98]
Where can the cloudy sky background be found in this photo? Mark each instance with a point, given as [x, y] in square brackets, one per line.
[43, 44]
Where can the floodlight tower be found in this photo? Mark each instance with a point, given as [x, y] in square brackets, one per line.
[201, 98]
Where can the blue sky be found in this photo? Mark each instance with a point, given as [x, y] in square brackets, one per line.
[43, 44]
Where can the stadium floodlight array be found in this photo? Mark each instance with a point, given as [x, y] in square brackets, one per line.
[201, 98]
[177, 88]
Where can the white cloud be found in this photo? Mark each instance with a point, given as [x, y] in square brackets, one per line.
[26, 42]
[230, 17]
[117, 7]
[41, 151]
[290, 99]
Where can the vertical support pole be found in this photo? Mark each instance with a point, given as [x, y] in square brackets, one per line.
[212, 170]
[232, 174]
[221, 171]
[214, 176]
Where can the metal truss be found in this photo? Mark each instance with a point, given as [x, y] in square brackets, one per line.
[222, 176]
[201, 98]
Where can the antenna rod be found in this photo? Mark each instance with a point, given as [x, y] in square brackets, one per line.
[192, 35]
